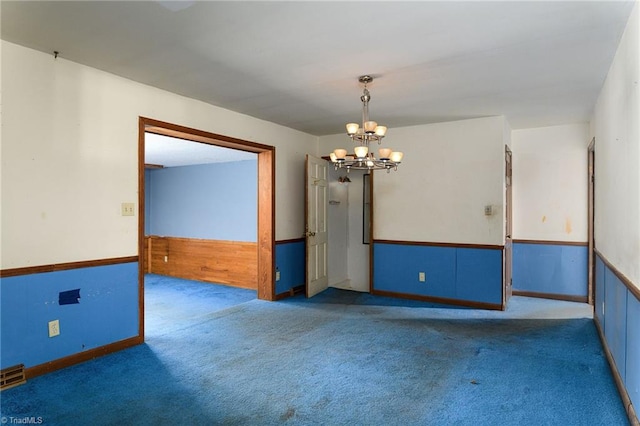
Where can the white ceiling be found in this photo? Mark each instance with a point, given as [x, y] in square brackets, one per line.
[173, 152]
[297, 63]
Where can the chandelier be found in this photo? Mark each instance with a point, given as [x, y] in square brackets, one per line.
[370, 132]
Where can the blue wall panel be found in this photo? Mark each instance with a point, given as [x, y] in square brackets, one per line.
[615, 328]
[632, 378]
[550, 268]
[290, 262]
[465, 274]
[479, 275]
[107, 312]
[396, 268]
[621, 325]
[209, 201]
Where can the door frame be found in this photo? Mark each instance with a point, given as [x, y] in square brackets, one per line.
[266, 200]
[591, 163]
[507, 284]
[371, 236]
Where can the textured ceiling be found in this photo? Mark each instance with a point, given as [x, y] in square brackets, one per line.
[166, 151]
[297, 63]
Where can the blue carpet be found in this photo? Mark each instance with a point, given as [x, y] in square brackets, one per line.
[340, 362]
[173, 302]
[333, 295]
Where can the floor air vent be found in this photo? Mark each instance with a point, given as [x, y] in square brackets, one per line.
[12, 376]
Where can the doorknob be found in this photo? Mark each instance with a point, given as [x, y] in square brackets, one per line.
[309, 234]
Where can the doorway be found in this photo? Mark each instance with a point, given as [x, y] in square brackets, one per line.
[266, 200]
[349, 214]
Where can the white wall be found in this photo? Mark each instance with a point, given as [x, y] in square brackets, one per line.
[449, 173]
[617, 164]
[550, 183]
[70, 157]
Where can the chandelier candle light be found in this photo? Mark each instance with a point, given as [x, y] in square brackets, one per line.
[370, 132]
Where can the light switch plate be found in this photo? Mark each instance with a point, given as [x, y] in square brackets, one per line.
[128, 209]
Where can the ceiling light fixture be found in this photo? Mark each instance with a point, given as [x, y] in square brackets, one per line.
[370, 132]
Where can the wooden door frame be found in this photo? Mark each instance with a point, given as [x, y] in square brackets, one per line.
[591, 158]
[266, 200]
[507, 258]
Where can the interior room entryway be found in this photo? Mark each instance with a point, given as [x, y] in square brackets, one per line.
[347, 211]
[263, 250]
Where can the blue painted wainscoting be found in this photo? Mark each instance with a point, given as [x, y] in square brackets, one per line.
[617, 311]
[552, 269]
[459, 274]
[107, 312]
[290, 262]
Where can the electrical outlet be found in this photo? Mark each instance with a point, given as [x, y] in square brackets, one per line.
[488, 210]
[54, 328]
[128, 209]
[277, 275]
[166, 259]
[422, 277]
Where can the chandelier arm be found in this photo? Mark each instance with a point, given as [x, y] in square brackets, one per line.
[369, 163]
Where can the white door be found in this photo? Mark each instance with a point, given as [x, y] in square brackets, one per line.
[316, 225]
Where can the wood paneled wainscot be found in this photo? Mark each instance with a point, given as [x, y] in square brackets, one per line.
[233, 263]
